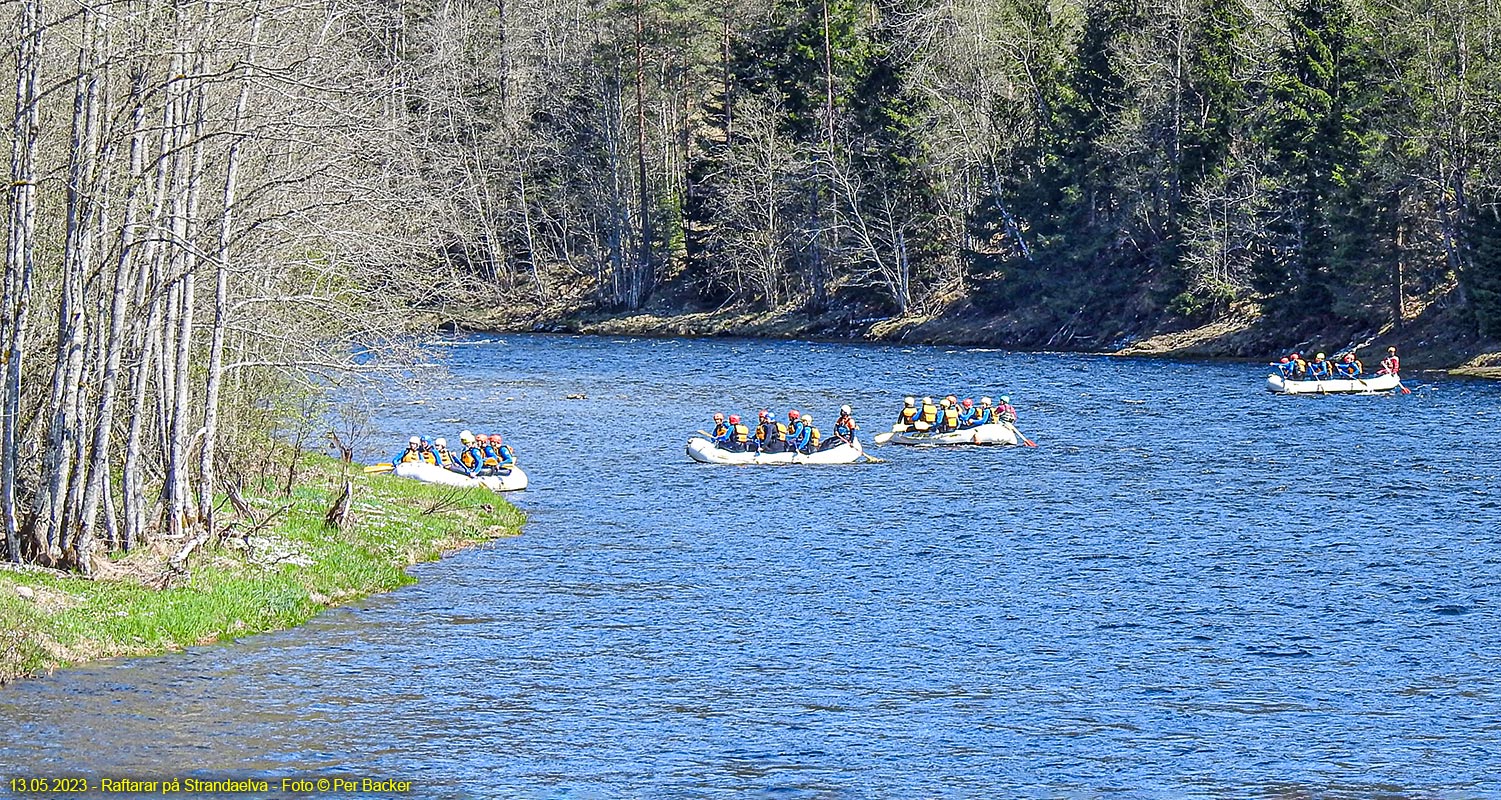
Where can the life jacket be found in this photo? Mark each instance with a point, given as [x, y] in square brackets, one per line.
[929, 413]
[472, 457]
[1318, 370]
[771, 431]
[984, 415]
[1390, 365]
[409, 456]
[951, 417]
[506, 454]
[1005, 413]
[845, 426]
[741, 434]
[720, 429]
[445, 458]
[429, 458]
[1300, 367]
[1345, 369]
[490, 458]
[813, 438]
[908, 415]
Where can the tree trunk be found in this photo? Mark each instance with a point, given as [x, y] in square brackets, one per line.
[20, 259]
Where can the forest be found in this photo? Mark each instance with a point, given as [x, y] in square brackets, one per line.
[218, 210]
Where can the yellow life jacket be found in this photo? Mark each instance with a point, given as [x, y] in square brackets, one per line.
[951, 417]
[720, 429]
[467, 458]
[771, 431]
[929, 413]
[909, 413]
[741, 434]
[814, 437]
[445, 457]
[410, 456]
[428, 457]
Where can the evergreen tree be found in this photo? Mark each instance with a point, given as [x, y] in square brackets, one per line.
[1312, 131]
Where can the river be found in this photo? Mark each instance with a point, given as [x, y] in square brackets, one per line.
[1189, 588]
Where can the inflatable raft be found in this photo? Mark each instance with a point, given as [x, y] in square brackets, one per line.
[990, 433]
[1377, 383]
[705, 452]
[514, 480]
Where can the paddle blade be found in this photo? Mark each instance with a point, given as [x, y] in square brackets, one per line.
[883, 438]
[385, 467]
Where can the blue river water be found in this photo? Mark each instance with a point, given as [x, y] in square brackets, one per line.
[1189, 588]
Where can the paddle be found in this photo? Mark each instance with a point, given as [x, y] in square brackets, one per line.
[883, 438]
[385, 467]
[1020, 435]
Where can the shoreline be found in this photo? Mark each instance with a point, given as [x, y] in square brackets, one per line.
[278, 576]
[1245, 339]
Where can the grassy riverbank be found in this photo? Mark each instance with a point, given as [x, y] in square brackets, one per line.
[277, 576]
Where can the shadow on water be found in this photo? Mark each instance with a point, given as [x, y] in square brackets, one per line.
[1189, 589]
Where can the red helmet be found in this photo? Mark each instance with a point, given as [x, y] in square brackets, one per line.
[1294, 355]
[952, 399]
[494, 438]
[1349, 356]
[764, 414]
[482, 437]
[968, 403]
[734, 419]
[793, 414]
[718, 416]
[1283, 361]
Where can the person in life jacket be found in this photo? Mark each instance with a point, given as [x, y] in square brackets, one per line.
[1300, 367]
[471, 458]
[440, 449]
[1347, 368]
[428, 456]
[928, 414]
[1318, 369]
[739, 436]
[1284, 366]
[1390, 365]
[504, 455]
[844, 426]
[948, 420]
[771, 435]
[413, 452]
[721, 432]
[967, 413]
[488, 458]
[985, 414]
[1004, 412]
[808, 438]
[794, 428]
[907, 415]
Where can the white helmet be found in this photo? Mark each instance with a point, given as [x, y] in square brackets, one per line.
[927, 401]
[808, 419]
[985, 401]
[415, 440]
[909, 401]
[466, 436]
[844, 409]
[440, 442]
[945, 402]
[1005, 399]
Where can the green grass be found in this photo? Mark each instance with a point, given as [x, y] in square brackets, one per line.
[226, 593]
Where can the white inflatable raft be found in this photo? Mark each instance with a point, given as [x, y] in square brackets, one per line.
[704, 451]
[1377, 383]
[430, 473]
[990, 433]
